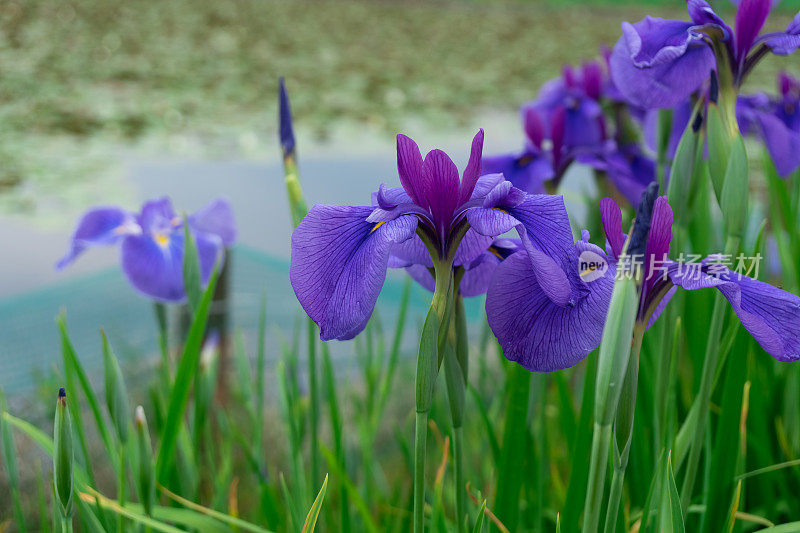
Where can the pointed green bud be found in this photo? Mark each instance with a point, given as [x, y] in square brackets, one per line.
[735, 190]
[63, 456]
[146, 478]
[683, 170]
[116, 392]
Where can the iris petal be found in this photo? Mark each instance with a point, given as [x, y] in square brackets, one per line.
[338, 265]
[473, 170]
[771, 315]
[215, 218]
[535, 332]
[101, 226]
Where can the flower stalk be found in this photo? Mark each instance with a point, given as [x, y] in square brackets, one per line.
[455, 367]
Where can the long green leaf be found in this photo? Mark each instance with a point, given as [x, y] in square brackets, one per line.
[311, 518]
[187, 368]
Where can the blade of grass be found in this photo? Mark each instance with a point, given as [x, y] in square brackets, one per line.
[10, 459]
[184, 377]
[355, 495]
[311, 519]
[222, 517]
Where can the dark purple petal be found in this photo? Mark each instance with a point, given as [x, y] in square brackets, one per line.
[216, 218]
[473, 170]
[409, 167]
[658, 242]
[535, 332]
[441, 188]
[285, 117]
[339, 263]
[593, 79]
[659, 63]
[100, 226]
[534, 126]
[750, 18]
[771, 315]
[611, 216]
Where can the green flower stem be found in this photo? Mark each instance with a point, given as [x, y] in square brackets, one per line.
[706, 386]
[121, 493]
[615, 351]
[434, 332]
[314, 399]
[623, 429]
[455, 365]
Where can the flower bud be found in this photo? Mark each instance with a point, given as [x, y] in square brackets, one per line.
[146, 477]
[63, 456]
[116, 393]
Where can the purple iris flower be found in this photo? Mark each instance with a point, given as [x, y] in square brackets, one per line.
[776, 120]
[340, 253]
[628, 168]
[659, 63]
[152, 243]
[543, 336]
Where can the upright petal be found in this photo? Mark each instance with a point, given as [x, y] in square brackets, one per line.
[535, 332]
[771, 315]
[100, 226]
[659, 63]
[750, 18]
[473, 170]
[338, 265]
[285, 118]
[409, 167]
[658, 240]
[611, 216]
[216, 218]
[158, 216]
[441, 188]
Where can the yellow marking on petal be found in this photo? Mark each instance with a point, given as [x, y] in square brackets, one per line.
[378, 225]
[589, 270]
[501, 210]
[496, 252]
[162, 240]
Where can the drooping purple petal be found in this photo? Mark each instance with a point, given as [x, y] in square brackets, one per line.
[534, 126]
[759, 115]
[216, 218]
[783, 43]
[534, 331]
[409, 167]
[611, 216]
[101, 226]
[771, 315]
[154, 266]
[338, 265]
[627, 168]
[701, 14]
[659, 63]
[473, 170]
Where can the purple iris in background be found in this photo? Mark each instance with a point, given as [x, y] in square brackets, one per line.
[775, 120]
[543, 336]
[565, 119]
[152, 243]
[340, 253]
[659, 63]
[566, 123]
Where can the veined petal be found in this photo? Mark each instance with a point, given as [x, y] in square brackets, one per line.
[473, 170]
[216, 218]
[659, 63]
[338, 265]
[611, 216]
[535, 332]
[782, 142]
[101, 226]
[771, 315]
[441, 187]
[472, 246]
[409, 167]
[658, 240]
